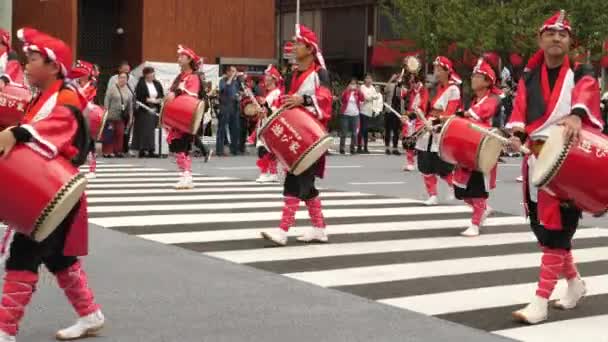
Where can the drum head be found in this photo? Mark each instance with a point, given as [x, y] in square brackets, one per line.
[550, 158]
[488, 153]
[59, 207]
[250, 110]
[310, 156]
[197, 117]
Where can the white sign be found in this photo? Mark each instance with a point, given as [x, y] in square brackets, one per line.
[166, 72]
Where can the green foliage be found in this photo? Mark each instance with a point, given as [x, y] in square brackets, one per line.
[493, 25]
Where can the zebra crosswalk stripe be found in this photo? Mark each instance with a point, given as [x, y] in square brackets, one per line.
[392, 250]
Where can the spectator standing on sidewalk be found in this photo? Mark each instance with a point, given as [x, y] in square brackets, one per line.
[352, 98]
[370, 94]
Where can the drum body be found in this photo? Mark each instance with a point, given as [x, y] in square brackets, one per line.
[97, 120]
[249, 109]
[574, 172]
[463, 146]
[39, 193]
[184, 113]
[297, 139]
[13, 103]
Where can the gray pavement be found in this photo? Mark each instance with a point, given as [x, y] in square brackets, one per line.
[156, 293]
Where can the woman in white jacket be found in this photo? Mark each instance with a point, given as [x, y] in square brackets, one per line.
[370, 94]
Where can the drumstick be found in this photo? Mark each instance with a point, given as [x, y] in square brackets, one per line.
[392, 110]
[152, 111]
[522, 149]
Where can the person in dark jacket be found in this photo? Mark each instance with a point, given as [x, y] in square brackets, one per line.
[148, 91]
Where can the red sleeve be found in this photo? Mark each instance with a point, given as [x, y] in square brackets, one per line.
[485, 111]
[424, 100]
[518, 116]
[586, 96]
[324, 104]
[54, 134]
[192, 85]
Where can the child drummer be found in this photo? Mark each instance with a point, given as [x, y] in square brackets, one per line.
[49, 60]
[267, 162]
[309, 90]
[187, 83]
[469, 185]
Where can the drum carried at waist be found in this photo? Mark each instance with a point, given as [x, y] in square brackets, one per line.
[184, 113]
[467, 148]
[249, 109]
[13, 103]
[295, 138]
[39, 193]
[97, 120]
[574, 172]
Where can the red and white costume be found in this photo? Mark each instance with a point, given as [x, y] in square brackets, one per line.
[267, 162]
[418, 100]
[312, 85]
[444, 104]
[187, 83]
[54, 134]
[471, 186]
[86, 94]
[544, 97]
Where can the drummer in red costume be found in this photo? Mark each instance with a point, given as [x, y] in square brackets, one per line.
[473, 186]
[10, 68]
[48, 62]
[309, 89]
[267, 162]
[82, 76]
[552, 92]
[446, 102]
[187, 83]
[418, 100]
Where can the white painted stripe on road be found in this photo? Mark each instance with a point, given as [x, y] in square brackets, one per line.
[579, 329]
[237, 168]
[239, 205]
[174, 178]
[192, 191]
[200, 183]
[135, 175]
[110, 166]
[395, 272]
[361, 248]
[376, 183]
[334, 229]
[153, 220]
[486, 297]
[125, 170]
[187, 197]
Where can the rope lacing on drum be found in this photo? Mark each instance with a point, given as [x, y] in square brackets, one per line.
[61, 194]
[558, 164]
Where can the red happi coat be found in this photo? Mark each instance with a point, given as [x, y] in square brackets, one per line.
[187, 83]
[313, 82]
[53, 133]
[447, 101]
[418, 99]
[537, 109]
[482, 111]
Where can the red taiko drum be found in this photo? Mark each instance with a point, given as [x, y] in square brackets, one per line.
[574, 172]
[97, 120]
[183, 113]
[463, 146]
[295, 138]
[39, 193]
[13, 103]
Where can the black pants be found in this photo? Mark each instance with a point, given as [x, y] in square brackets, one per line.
[364, 130]
[198, 143]
[303, 185]
[476, 188]
[561, 239]
[182, 145]
[392, 128]
[27, 254]
[262, 151]
[243, 134]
